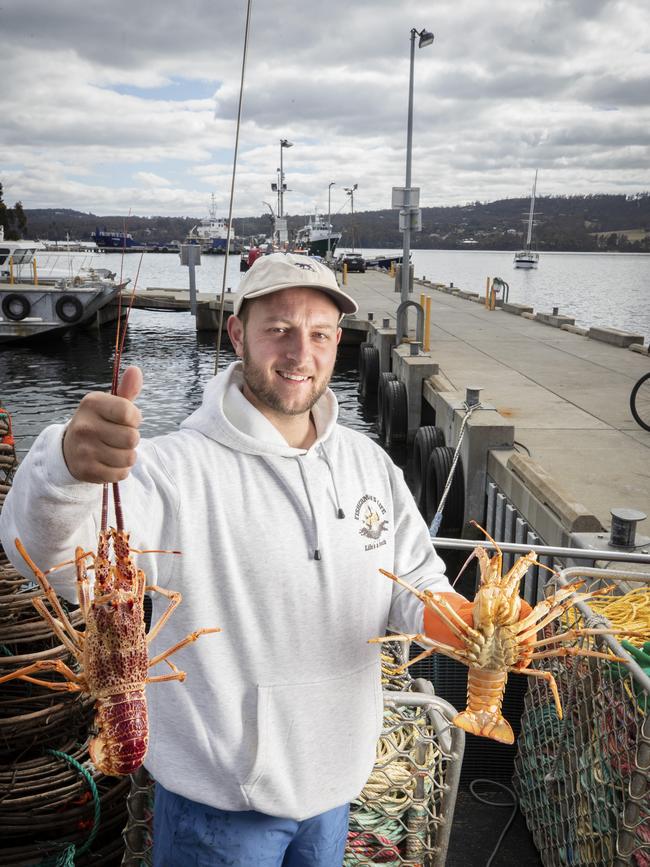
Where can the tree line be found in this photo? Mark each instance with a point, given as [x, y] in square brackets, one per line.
[563, 223]
[13, 220]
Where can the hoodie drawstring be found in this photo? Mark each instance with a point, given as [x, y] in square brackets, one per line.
[339, 511]
[311, 506]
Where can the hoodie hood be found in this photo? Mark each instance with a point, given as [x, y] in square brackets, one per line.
[227, 417]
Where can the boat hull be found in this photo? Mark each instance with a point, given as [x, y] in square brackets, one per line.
[52, 310]
[318, 247]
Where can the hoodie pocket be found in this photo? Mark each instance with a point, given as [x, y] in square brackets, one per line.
[316, 743]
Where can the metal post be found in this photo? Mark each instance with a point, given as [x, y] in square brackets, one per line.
[329, 224]
[406, 251]
[350, 192]
[281, 184]
[193, 288]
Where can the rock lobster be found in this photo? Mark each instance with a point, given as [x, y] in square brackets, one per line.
[499, 642]
[112, 650]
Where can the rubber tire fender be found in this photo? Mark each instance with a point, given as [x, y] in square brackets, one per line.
[368, 371]
[427, 438]
[63, 312]
[13, 301]
[438, 468]
[395, 412]
[384, 379]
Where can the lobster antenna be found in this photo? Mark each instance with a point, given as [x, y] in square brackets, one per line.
[487, 535]
[120, 337]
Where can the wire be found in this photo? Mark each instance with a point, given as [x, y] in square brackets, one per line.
[491, 803]
[232, 185]
[437, 518]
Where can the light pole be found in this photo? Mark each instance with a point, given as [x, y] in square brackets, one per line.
[284, 143]
[329, 224]
[426, 38]
[350, 192]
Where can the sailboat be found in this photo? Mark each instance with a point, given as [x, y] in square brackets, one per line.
[528, 258]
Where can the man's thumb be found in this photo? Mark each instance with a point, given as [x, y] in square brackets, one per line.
[131, 383]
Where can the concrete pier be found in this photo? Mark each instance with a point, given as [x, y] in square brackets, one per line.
[564, 391]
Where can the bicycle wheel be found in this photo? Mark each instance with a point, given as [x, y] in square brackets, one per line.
[640, 401]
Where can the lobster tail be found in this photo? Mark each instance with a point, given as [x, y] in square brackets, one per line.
[485, 689]
[123, 733]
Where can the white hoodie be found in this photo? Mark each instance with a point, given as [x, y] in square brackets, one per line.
[280, 712]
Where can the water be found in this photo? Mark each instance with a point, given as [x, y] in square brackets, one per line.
[609, 289]
[43, 385]
[40, 386]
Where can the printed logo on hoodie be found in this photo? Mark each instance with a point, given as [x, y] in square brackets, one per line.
[370, 511]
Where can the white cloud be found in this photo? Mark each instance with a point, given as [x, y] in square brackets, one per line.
[91, 119]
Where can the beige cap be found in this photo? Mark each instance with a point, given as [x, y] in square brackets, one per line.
[278, 271]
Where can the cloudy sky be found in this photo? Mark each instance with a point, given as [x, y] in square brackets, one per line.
[118, 107]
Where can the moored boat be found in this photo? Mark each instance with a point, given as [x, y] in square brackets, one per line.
[313, 237]
[122, 241]
[32, 306]
[528, 258]
[212, 233]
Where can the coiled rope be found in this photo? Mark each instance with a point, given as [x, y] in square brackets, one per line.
[66, 858]
[629, 614]
[437, 518]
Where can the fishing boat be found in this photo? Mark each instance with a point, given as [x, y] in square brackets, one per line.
[122, 241]
[33, 306]
[212, 233]
[313, 237]
[528, 258]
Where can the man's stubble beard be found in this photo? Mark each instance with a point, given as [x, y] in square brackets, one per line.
[263, 390]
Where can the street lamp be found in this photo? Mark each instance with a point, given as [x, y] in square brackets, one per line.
[426, 38]
[284, 143]
[329, 224]
[350, 192]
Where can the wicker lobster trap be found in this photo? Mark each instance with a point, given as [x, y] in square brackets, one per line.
[583, 781]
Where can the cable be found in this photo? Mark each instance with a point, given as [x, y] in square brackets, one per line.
[232, 185]
[491, 803]
[437, 518]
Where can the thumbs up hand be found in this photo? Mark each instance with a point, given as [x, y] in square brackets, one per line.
[100, 440]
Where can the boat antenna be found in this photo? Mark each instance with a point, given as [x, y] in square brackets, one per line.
[232, 185]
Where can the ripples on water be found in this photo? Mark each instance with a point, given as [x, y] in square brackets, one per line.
[43, 385]
[40, 386]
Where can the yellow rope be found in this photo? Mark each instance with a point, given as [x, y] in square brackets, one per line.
[629, 614]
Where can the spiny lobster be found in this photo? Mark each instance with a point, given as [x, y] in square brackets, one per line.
[499, 642]
[112, 651]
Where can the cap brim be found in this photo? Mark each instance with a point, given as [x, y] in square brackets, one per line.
[343, 301]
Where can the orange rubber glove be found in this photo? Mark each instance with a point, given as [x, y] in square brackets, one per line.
[437, 629]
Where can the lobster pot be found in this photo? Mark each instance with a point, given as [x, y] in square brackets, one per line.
[582, 781]
[55, 808]
[404, 813]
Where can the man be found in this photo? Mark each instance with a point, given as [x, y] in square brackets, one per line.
[283, 518]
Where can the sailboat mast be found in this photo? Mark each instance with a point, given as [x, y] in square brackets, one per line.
[529, 237]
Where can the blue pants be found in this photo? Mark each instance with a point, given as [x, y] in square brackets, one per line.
[188, 834]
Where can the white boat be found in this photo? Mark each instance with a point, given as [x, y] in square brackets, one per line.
[211, 233]
[32, 305]
[528, 258]
[313, 237]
